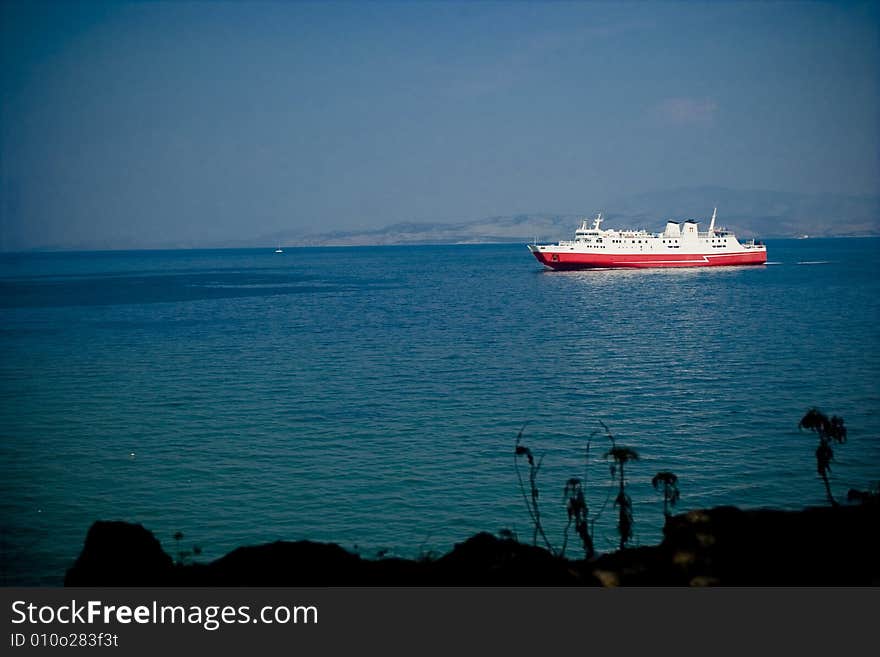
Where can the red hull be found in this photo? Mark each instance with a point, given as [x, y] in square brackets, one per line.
[563, 260]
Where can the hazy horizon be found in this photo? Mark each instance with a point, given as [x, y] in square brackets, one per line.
[195, 123]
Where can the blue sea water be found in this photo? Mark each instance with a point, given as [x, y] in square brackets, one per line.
[372, 396]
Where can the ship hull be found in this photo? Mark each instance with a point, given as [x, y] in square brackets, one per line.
[567, 260]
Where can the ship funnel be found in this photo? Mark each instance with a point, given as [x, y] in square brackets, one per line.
[672, 229]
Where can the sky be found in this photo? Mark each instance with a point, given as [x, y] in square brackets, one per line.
[139, 124]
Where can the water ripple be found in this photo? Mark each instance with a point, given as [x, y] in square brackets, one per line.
[372, 396]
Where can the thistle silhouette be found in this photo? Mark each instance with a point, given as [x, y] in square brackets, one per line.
[830, 430]
[531, 499]
[576, 506]
[669, 481]
[622, 456]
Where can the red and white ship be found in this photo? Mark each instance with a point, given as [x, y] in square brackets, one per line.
[681, 244]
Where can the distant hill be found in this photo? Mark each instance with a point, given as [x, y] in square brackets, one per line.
[760, 212]
[750, 213]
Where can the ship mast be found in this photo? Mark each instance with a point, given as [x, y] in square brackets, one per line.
[712, 223]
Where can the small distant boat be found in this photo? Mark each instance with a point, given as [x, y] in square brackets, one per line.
[279, 250]
[679, 245]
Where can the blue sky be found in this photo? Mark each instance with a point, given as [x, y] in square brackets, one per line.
[139, 124]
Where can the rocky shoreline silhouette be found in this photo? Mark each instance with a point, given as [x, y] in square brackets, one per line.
[722, 546]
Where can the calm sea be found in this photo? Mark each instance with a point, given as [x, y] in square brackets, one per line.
[372, 396]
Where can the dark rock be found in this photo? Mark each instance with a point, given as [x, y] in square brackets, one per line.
[763, 547]
[283, 563]
[486, 560]
[120, 554]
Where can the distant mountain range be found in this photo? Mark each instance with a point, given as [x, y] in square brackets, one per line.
[750, 213]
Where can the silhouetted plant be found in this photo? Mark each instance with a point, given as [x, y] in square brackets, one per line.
[531, 499]
[576, 506]
[604, 505]
[575, 496]
[622, 456]
[830, 430]
[178, 536]
[670, 489]
[184, 555]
